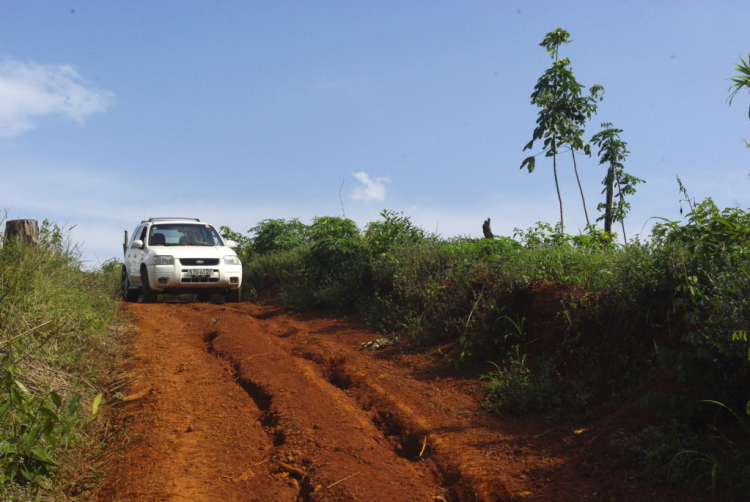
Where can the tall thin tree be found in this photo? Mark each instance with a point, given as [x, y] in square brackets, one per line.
[563, 112]
[613, 151]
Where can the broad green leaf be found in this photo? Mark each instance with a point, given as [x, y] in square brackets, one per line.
[41, 454]
[32, 436]
[23, 388]
[529, 163]
[17, 397]
[49, 413]
[29, 474]
[4, 409]
[73, 405]
[56, 399]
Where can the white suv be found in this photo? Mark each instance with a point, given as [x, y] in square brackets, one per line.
[179, 256]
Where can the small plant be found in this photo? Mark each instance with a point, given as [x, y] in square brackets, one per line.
[514, 388]
[656, 451]
[32, 426]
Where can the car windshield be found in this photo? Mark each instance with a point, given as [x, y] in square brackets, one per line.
[181, 234]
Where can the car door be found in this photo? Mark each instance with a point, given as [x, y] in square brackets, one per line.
[134, 255]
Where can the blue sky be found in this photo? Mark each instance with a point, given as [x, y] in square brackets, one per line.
[235, 112]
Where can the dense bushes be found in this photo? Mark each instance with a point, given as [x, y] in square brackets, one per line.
[552, 311]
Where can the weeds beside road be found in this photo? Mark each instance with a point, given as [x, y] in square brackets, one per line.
[58, 345]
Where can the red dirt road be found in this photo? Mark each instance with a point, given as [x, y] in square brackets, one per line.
[244, 402]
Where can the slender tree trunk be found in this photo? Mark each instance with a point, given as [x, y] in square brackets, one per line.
[622, 221]
[609, 203]
[559, 196]
[575, 168]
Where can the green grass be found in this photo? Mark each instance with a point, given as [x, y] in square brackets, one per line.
[58, 347]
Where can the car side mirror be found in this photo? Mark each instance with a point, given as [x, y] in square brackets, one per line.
[138, 244]
[231, 244]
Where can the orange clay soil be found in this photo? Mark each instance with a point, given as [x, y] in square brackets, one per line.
[247, 402]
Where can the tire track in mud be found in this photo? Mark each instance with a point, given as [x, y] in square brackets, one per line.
[182, 442]
[416, 438]
[335, 451]
[436, 461]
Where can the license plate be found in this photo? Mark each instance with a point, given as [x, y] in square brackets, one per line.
[200, 272]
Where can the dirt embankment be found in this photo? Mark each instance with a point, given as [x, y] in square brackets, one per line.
[244, 402]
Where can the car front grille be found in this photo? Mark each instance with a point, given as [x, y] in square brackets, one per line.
[199, 261]
[193, 280]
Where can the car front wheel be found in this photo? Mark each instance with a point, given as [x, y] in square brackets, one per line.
[128, 294]
[233, 295]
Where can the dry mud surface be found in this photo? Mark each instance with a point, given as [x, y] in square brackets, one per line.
[247, 402]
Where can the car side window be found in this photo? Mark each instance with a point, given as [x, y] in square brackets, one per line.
[137, 234]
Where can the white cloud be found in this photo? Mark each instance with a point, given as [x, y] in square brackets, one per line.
[370, 189]
[29, 91]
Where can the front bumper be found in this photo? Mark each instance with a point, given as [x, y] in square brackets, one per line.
[180, 277]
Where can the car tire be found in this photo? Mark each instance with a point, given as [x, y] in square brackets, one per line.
[128, 294]
[233, 295]
[149, 295]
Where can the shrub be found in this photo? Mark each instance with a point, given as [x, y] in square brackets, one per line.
[277, 235]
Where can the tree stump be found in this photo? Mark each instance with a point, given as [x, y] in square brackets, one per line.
[487, 230]
[27, 231]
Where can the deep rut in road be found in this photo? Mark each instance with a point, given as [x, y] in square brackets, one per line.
[244, 402]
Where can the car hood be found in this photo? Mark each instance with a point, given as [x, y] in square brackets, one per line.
[195, 251]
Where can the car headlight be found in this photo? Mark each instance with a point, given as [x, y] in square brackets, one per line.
[163, 260]
[231, 260]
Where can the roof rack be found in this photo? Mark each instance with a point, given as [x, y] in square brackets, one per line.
[163, 219]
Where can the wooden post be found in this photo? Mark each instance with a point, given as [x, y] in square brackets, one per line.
[27, 231]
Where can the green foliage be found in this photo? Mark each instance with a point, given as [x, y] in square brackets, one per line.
[54, 338]
[655, 452]
[709, 232]
[742, 79]
[563, 112]
[613, 151]
[277, 235]
[244, 243]
[516, 389]
[334, 240]
[393, 232]
[35, 425]
[543, 235]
